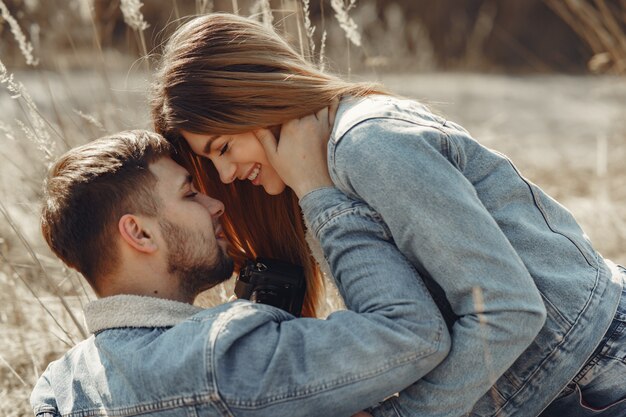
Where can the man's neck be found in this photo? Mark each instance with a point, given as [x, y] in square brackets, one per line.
[147, 282]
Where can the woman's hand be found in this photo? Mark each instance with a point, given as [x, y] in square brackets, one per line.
[300, 156]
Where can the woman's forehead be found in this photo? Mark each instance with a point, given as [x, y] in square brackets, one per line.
[200, 143]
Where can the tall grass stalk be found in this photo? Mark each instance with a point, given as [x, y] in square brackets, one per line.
[42, 269]
[602, 169]
[348, 25]
[25, 47]
[38, 130]
[308, 27]
[101, 68]
[263, 10]
[303, 45]
[13, 371]
[322, 59]
[135, 20]
[19, 276]
[601, 26]
[202, 7]
[7, 130]
[91, 120]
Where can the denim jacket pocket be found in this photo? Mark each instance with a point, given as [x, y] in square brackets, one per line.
[521, 372]
[599, 389]
[575, 399]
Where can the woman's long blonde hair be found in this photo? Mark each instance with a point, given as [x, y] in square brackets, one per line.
[226, 74]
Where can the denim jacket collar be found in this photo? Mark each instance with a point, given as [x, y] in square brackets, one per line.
[135, 311]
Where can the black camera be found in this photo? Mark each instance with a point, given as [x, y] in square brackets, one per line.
[269, 281]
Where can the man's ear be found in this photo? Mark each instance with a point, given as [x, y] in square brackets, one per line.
[134, 232]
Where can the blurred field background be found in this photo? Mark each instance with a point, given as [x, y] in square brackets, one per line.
[540, 80]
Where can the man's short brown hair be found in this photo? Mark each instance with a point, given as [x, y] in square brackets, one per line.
[87, 191]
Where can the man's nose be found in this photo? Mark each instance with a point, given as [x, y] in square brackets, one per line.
[215, 207]
[226, 169]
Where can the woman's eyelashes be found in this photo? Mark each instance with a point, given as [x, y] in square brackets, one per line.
[223, 149]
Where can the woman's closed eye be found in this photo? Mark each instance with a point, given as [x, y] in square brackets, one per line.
[223, 149]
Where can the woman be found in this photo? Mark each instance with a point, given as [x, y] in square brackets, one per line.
[533, 303]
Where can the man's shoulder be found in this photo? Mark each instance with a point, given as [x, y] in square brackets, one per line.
[43, 398]
[121, 357]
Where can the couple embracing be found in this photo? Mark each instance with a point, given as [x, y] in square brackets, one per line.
[469, 290]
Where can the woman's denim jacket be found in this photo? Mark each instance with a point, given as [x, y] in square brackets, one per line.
[167, 359]
[532, 296]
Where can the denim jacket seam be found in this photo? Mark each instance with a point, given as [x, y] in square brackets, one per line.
[335, 139]
[591, 262]
[345, 380]
[455, 151]
[554, 308]
[287, 396]
[548, 357]
[333, 216]
[219, 400]
[161, 405]
[619, 329]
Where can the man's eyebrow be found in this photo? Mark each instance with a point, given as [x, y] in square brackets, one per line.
[207, 146]
[188, 180]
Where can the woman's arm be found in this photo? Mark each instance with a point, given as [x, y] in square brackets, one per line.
[353, 359]
[437, 221]
[334, 367]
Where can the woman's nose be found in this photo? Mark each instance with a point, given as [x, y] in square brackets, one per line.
[226, 169]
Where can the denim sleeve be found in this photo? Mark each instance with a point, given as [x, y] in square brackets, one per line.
[436, 219]
[352, 359]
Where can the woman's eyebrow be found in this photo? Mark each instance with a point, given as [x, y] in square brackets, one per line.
[207, 146]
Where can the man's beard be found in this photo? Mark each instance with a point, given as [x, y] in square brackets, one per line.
[195, 270]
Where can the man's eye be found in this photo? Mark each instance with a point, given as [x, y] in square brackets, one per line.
[224, 149]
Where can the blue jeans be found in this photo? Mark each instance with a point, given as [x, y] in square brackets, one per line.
[599, 389]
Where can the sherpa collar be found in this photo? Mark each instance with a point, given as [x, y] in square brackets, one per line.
[135, 311]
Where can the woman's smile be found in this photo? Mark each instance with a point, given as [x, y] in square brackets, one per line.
[237, 157]
[253, 175]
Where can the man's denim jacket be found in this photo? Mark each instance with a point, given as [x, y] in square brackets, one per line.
[513, 263]
[162, 358]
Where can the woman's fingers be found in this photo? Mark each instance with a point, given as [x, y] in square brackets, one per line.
[300, 157]
[322, 115]
[332, 111]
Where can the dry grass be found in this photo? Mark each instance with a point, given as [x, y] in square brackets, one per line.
[574, 152]
[602, 25]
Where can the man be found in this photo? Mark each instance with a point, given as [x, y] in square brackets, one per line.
[125, 215]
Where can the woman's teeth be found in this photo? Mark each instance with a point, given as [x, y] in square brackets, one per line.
[254, 173]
